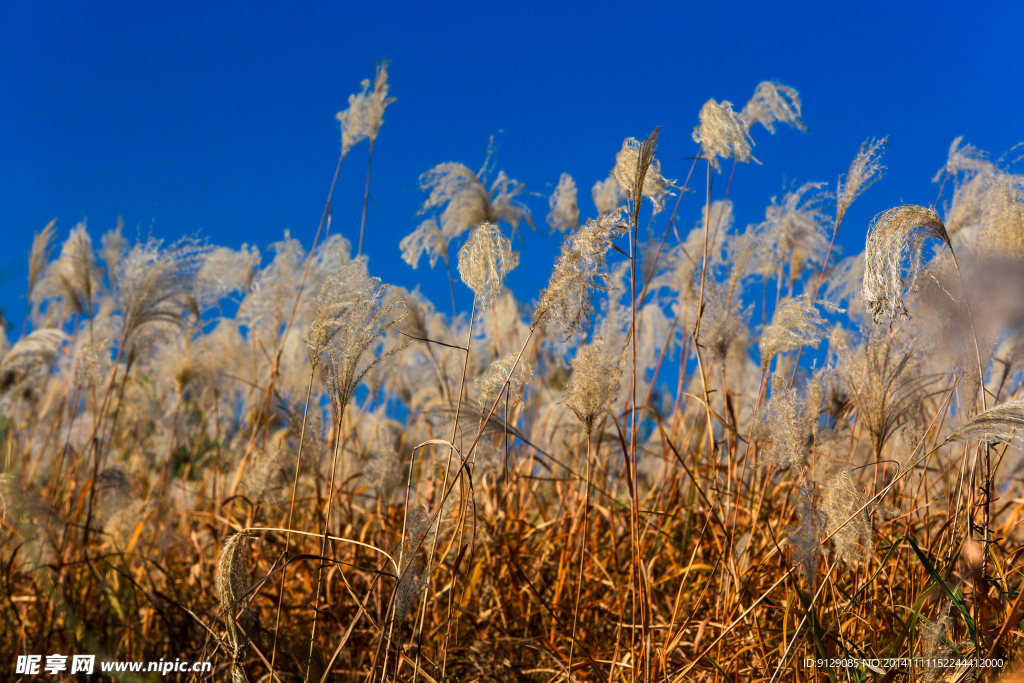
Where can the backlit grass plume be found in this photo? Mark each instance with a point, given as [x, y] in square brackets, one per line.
[349, 319]
[467, 203]
[893, 235]
[565, 210]
[484, 261]
[773, 102]
[31, 358]
[155, 284]
[865, 171]
[633, 167]
[839, 502]
[73, 280]
[1002, 424]
[577, 271]
[489, 384]
[723, 133]
[607, 195]
[594, 382]
[795, 324]
[365, 114]
[232, 583]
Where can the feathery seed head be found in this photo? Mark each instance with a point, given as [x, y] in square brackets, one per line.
[365, 113]
[577, 271]
[880, 379]
[349, 319]
[796, 323]
[565, 211]
[412, 565]
[1002, 424]
[806, 537]
[484, 261]
[157, 284]
[892, 235]
[42, 245]
[607, 195]
[74, 278]
[30, 358]
[773, 102]
[723, 133]
[853, 540]
[232, 583]
[427, 239]
[469, 202]
[789, 427]
[594, 382]
[865, 171]
[507, 369]
[628, 163]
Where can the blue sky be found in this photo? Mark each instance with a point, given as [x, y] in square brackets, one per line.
[219, 117]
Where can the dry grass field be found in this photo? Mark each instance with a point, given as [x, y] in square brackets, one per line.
[703, 452]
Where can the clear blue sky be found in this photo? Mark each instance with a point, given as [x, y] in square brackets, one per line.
[219, 117]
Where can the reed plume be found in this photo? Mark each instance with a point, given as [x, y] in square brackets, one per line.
[723, 133]
[796, 323]
[365, 114]
[594, 382]
[1002, 424]
[840, 501]
[565, 211]
[579, 269]
[232, 585]
[484, 261]
[865, 171]
[893, 235]
[607, 195]
[773, 101]
[638, 173]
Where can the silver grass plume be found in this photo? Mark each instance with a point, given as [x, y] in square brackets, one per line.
[638, 173]
[1002, 219]
[793, 230]
[881, 382]
[607, 195]
[1002, 424]
[865, 171]
[594, 382]
[427, 239]
[155, 284]
[773, 102]
[484, 261]
[839, 501]
[113, 247]
[467, 202]
[42, 246]
[349, 318]
[30, 358]
[232, 584]
[723, 133]
[412, 565]
[365, 113]
[489, 384]
[933, 645]
[806, 537]
[892, 235]
[565, 210]
[789, 425]
[795, 324]
[567, 297]
[74, 278]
